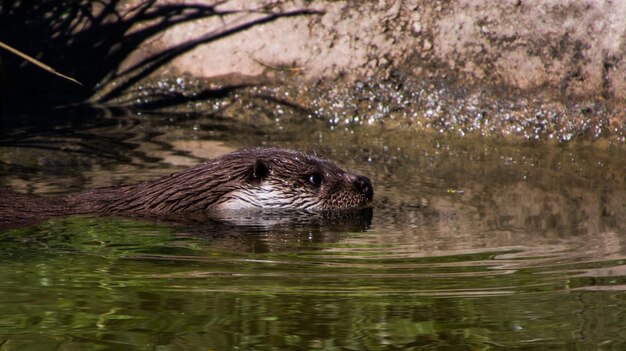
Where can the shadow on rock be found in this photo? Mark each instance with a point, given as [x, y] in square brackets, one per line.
[91, 42]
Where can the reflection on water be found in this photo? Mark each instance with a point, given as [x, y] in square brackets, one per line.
[469, 245]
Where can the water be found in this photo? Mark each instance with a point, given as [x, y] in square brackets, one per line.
[471, 244]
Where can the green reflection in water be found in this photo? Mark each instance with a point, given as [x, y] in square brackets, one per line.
[101, 283]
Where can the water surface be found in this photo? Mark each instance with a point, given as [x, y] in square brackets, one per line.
[470, 244]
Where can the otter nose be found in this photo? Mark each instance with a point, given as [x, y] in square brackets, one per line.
[365, 186]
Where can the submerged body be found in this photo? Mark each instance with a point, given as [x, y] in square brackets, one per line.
[262, 178]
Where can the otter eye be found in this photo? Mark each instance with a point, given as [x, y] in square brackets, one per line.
[316, 179]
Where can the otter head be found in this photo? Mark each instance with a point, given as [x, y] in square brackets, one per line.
[287, 179]
[263, 178]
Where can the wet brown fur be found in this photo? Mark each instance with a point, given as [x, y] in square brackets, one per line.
[202, 188]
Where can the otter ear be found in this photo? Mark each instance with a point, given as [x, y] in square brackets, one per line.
[259, 170]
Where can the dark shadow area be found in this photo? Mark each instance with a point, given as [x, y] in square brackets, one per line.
[90, 40]
[84, 137]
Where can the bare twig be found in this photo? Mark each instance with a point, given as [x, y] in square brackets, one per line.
[37, 62]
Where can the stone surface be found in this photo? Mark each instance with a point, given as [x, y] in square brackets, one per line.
[570, 48]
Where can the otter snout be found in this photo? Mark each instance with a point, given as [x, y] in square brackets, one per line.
[364, 185]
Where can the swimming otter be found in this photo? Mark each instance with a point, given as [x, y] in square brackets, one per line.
[261, 178]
